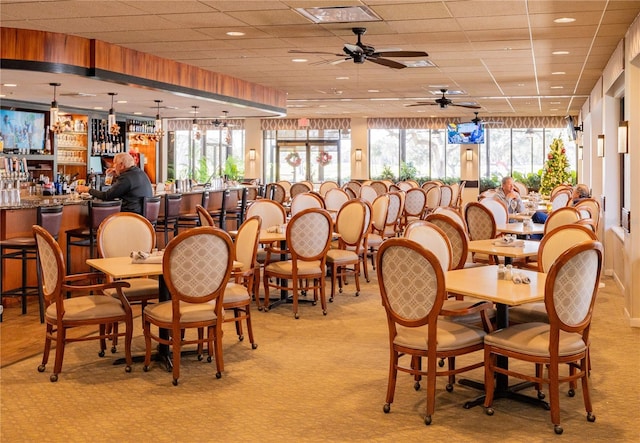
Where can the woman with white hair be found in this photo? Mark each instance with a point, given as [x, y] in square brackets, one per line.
[130, 184]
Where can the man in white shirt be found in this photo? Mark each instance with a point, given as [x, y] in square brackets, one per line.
[508, 195]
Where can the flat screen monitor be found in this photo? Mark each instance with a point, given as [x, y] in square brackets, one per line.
[22, 129]
[465, 133]
[572, 130]
[95, 165]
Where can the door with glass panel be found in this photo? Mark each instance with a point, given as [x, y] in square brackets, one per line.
[315, 161]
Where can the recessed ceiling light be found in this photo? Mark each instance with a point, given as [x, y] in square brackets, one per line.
[565, 20]
[554, 103]
[553, 109]
[558, 73]
[373, 90]
[98, 108]
[557, 87]
[235, 33]
[521, 84]
[298, 60]
[560, 52]
[342, 78]
[419, 64]
[121, 101]
[339, 14]
[9, 85]
[137, 113]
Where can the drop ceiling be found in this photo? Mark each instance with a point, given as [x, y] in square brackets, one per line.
[497, 54]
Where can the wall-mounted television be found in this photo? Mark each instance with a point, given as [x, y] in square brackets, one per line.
[465, 133]
[572, 129]
[22, 130]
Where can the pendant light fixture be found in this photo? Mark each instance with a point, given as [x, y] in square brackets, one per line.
[195, 128]
[158, 125]
[56, 127]
[114, 128]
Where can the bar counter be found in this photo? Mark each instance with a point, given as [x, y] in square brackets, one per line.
[16, 221]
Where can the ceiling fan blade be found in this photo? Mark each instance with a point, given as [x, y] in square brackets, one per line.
[402, 53]
[387, 62]
[296, 51]
[466, 106]
[422, 104]
[352, 49]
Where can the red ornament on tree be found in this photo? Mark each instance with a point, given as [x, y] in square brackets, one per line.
[550, 156]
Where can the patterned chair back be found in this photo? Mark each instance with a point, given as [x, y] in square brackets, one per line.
[415, 202]
[351, 223]
[246, 244]
[125, 232]
[558, 240]
[309, 235]
[433, 239]
[446, 195]
[271, 212]
[335, 198]
[411, 284]
[433, 197]
[379, 186]
[197, 265]
[571, 288]
[304, 201]
[457, 238]
[562, 216]
[498, 210]
[326, 186]
[368, 193]
[480, 222]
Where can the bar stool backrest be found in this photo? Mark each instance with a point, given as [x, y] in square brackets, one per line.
[151, 208]
[50, 218]
[98, 211]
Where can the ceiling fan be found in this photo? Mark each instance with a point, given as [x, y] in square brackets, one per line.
[477, 120]
[360, 53]
[223, 122]
[443, 102]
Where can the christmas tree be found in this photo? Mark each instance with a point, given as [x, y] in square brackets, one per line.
[556, 169]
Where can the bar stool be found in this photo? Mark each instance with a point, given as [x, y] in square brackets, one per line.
[235, 207]
[191, 220]
[24, 249]
[151, 209]
[169, 220]
[86, 236]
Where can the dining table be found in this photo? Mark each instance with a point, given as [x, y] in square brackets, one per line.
[482, 283]
[520, 228]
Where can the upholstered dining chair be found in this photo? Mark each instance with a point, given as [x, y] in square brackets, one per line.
[196, 267]
[326, 185]
[308, 240]
[87, 306]
[446, 195]
[481, 226]
[299, 188]
[453, 214]
[118, 236]
[561, 199]
[457, 237]
[380, 186]
[433, 196]
[561, 216]
[85, 236]
[415, 203]
[368, 193]
[394, 214]
[335, 198]
[352, 225]
[276, 192]
[591, 205]
[204, 217]
[498, 209]
[552, 245]
[570, 292]
[305, 200]
[374, 238]
[412, 288]
[238, 294]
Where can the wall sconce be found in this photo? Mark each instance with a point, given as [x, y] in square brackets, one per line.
[469, 154]
[580, 154]
[252, 154]
[601, 145]
[358, 155]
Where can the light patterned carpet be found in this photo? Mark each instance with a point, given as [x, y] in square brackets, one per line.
[313, 379]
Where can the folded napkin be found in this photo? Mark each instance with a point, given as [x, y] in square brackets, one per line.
[146, 257]
[277, 228]
[508, 242]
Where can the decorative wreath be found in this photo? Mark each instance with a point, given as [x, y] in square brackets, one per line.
[324, 158]
[293, 159]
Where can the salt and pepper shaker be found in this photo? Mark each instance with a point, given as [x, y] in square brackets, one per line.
[508, 273]
[501, 272]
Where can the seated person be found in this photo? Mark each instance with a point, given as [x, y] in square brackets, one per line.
[130, 184]
[508, 194]
[580, 192]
